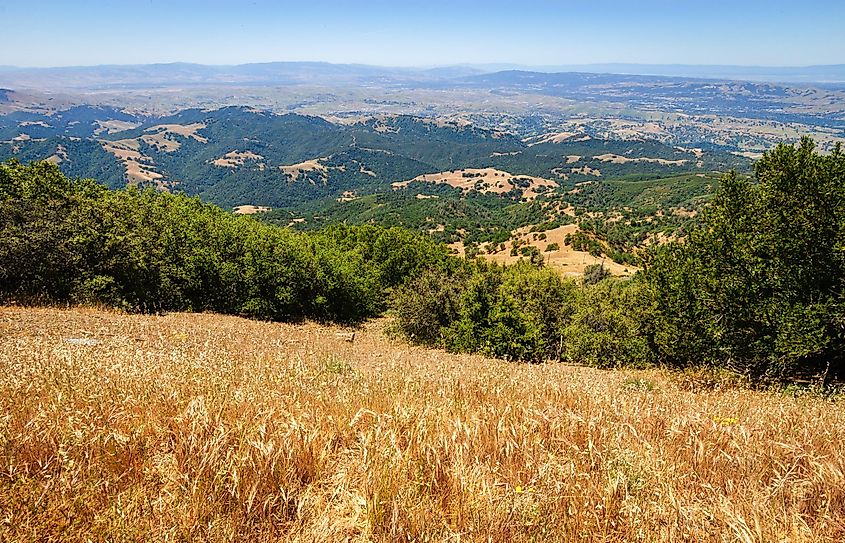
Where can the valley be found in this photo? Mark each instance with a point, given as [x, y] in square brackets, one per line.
[308, 172]
[468, 155]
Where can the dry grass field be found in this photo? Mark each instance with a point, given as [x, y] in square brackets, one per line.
[210, 428]
[139, 168]
[565, 259]
[485, 181]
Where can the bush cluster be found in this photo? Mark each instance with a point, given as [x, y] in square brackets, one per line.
[72, 240]
[759, 286]
[524, 312]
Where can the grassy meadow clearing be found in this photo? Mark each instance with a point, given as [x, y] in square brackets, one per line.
[200, 427]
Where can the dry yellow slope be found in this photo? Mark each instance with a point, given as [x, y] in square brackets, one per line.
[210, 428]
[564, 259]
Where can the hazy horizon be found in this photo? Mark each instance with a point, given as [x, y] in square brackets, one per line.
[493, 66]
[423, 34]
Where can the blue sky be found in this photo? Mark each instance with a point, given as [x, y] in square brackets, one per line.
[423, 33]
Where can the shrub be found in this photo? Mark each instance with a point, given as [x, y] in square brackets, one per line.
[64, 240]
[610, 326]
[758, 287]
[515, 313]
[594, 273]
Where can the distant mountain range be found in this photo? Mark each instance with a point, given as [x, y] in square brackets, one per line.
[832, 73]
[292, 73]
[272, 73]
[446, 177]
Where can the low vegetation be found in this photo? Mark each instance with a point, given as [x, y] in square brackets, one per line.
[201, 427]
[74, 241]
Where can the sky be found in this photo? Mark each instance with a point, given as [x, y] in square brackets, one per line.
[423, 33]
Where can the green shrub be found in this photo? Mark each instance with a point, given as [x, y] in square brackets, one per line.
[758, 287]
[595, 273]
[64, 240]
[515, 313]
[610, 326]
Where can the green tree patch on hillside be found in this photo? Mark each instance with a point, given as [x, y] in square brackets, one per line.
[72, 240]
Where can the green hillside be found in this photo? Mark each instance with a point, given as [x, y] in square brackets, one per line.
[479, 185]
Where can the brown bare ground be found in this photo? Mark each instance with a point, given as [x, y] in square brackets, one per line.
[59, 156]
[753, 155]
[296, 171]
[347, 196]
[138, 167]
[364, 170]
[586, 170]
[112, 126]
[565, 259]
[619, 159]
[185, 130]
[484, 180]
[211, 428]
[161, 136]
[34, 123]
[556, 137]
[236, 159]
[250, 209]
[696, 151]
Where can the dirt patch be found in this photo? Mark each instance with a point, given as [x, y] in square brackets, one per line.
[236, 159]
[696, 151]
[161, 136]
[684, 212]
[564, 259]
[619, 159]
[59, 156]
[111, 127]
[748, 154]
[586, 170]
[301, 170]
[364, 170]
[486, 181]
[250, 209]
[34, 123]
[138, 167]
[555, 137]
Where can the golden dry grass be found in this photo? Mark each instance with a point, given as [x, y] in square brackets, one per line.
[619, 159]
[161, 135]
[298, 171]
[485, 181]
[210, 428]
[237, 159]
[138, 167]
[565, 258]
[250, 209]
